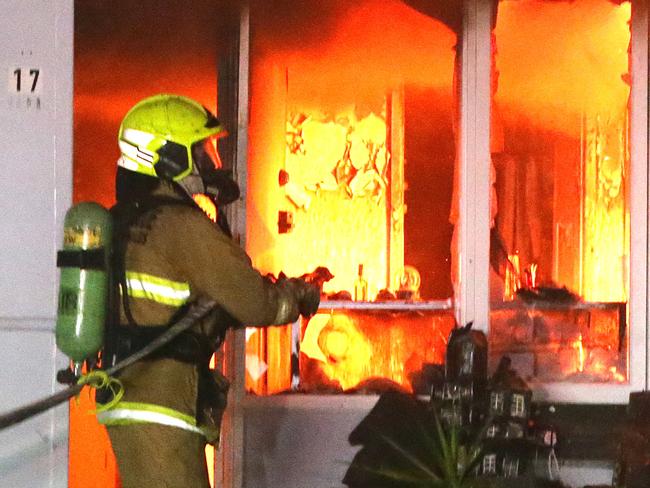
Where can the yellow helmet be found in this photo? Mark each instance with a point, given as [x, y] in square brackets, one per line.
[174, 138]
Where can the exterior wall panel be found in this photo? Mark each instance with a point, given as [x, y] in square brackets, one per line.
[35, 168]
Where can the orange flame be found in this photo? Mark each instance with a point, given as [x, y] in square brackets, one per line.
[354, 348]
[327, 115]
[573, 97]
[621, 378]
[206, 204]
[579, 347]
[346, 353]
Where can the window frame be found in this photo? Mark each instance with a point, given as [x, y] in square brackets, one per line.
[472, 300]
[471, 296]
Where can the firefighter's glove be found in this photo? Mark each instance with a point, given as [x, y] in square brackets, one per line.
[307, 295]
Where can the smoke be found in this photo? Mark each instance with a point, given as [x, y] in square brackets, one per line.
[127, 50]
[557, 60]
[353, 52]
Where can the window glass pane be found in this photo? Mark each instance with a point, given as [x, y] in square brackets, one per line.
[351, 165]
[560, 157]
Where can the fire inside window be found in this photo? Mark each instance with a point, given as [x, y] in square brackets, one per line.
[560, 237]
[351, 168]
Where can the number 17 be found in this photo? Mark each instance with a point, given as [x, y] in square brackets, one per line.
[32, 72]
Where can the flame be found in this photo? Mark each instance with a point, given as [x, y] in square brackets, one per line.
[512, 279]
[621, 378]
[577, 53]
[577, 87]
[323, 100]
[337, 193]
[563, 120]
[336, 184]
[606, 230]
[533, 275]
[206, 204]
[577, 344]
[347, 351]
[322, 116]
[352, 348]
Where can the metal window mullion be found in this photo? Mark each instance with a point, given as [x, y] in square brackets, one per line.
[474, 217]
[638, 298]
[231, 470]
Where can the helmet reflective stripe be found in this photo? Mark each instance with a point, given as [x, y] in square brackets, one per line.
[145, 156]
[129, 164]
[159, 290]
[129, 413]
[135, 160]
[137, 137]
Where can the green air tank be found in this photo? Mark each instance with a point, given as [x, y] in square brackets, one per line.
[83, 287]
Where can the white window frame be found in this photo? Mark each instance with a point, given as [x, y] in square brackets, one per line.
[472, 300]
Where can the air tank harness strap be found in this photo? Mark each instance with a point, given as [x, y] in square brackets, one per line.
[187, 347]
[99, 379]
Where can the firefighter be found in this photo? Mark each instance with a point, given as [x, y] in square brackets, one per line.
[167, 252]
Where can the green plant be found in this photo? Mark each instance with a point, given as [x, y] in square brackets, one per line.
[413, 449]
[450, 463]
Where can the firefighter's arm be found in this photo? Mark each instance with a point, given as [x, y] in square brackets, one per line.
[217, 267]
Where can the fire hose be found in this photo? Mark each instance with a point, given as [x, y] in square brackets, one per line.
[195, 314]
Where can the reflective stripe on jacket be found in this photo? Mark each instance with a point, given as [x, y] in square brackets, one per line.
[130, 413]
[157, 289]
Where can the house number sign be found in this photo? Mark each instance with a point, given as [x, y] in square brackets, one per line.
[24, 80]
[25, 86]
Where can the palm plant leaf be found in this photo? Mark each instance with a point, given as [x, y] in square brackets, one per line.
[413, 460]
[405, 445]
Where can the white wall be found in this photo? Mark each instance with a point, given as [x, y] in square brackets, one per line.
[35, 192]
[300, 441]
